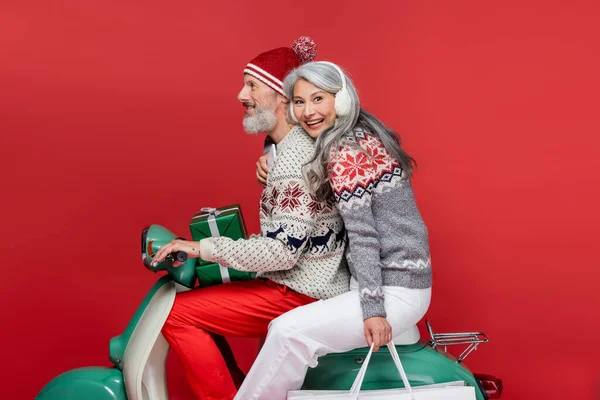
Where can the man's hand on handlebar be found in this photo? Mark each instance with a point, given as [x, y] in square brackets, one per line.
[192, 249]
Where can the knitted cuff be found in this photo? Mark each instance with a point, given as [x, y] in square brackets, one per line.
[207, 247]
[372, 307]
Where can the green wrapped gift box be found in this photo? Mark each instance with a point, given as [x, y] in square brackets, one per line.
[212, 274]
[214, 222]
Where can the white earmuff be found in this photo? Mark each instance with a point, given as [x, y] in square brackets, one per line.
[343, 101]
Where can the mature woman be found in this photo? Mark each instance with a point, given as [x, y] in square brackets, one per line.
[360, 163]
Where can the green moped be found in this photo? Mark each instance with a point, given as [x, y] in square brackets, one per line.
[138, 355]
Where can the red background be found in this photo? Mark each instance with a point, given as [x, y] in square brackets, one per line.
[117, 114]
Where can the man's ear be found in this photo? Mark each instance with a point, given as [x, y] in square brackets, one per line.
[282, 102]
[282, 99]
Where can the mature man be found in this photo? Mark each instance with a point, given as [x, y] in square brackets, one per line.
[294, 265]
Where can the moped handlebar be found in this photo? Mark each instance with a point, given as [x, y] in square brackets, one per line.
[179, 256]
[156, 236]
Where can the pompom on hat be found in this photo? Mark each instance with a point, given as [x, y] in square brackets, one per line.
[272, 66]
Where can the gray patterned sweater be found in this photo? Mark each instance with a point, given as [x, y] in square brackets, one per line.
[387, 239]
[302, 240]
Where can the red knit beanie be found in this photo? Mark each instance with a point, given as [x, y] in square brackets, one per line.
[272, 66]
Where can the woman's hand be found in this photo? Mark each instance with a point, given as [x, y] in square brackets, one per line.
[377, 331]
[192, 249]
[262, 169]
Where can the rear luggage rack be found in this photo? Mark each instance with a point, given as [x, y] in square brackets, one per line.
[449, 339]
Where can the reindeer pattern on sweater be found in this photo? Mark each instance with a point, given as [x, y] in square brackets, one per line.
[302, 239]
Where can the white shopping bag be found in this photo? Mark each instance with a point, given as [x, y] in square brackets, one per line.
[438, 391]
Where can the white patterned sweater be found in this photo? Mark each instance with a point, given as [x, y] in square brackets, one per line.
[302, 240]
[387, 239]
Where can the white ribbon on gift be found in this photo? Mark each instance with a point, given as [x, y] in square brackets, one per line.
[214, 232]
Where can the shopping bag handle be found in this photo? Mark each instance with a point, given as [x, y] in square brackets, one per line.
[355, 389]
[361, 373]
[400, 368]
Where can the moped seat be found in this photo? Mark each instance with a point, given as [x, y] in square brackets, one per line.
[410, 336]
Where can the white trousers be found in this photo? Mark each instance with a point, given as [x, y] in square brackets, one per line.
[297, 338]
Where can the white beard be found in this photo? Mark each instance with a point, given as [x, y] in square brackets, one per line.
[264, 120]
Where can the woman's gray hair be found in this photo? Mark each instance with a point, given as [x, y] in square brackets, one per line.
[326, 77]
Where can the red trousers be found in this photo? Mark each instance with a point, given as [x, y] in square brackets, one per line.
[198, 317]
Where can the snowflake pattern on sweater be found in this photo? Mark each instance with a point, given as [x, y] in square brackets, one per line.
[299, 243]
[388, 244]
[355, 174]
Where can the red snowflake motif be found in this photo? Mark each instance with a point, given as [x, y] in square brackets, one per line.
[354, 166]
[313, 206]
[291, 197]
[379, 156]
